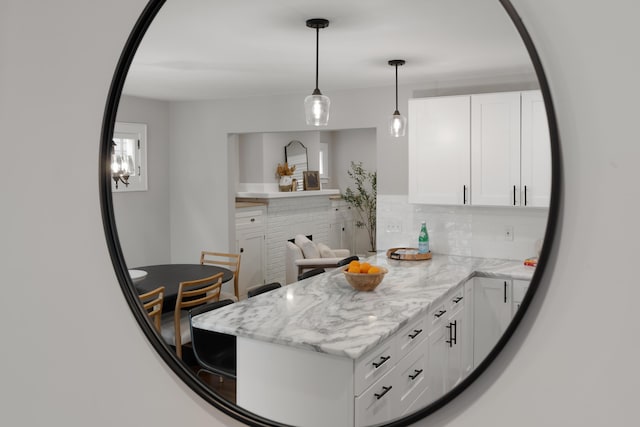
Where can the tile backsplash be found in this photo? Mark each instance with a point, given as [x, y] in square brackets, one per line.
[478, 231]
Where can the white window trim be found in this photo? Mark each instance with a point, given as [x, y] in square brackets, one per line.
[139, 181]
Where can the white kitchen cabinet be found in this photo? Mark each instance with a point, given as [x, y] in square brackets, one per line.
[341, 233]
[520, 288]
[495, 149]
[536, 151]
[495, 303]
[486, 149]
[449, 347]
[492, 314]
[250, 244]
[439, 150]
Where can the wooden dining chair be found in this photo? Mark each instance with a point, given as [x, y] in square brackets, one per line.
[152, 302]
[175, 329]
[227, 260]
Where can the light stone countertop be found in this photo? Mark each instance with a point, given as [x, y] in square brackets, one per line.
[324, 314]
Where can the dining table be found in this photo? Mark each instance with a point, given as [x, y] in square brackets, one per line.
[171, 275]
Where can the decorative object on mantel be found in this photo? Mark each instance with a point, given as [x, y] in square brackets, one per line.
[397, 122]
[311, 180]
[407, 254]
[363, 199]
[316, 105]
[284, 172]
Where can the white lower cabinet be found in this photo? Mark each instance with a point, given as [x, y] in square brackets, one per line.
[494, 307]
[520, 288]
[418, 364]
[250, 244]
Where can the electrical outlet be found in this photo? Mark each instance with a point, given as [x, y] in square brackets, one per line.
[508, 233]
[394, 227]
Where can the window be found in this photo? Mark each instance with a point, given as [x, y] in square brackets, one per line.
[129, 157]
[323, 161]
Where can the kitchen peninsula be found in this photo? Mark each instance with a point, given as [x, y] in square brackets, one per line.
[330, 355]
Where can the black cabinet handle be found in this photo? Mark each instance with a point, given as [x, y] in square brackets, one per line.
[457, 300]
[253, 220]
[383, 359]
[453, 333]
[416, 332]
[416, 374]
[505, 291]
[241, 250]
[525, 195]
[464, 194]
[440, 313]
[385, 390]
[514, 195]
[450, 340]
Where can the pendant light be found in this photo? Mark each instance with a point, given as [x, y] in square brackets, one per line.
[397, 122]
[316, 105]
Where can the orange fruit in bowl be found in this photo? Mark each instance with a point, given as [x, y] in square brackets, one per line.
[354, 263]
[354, 269]
[364, 267]
[374, 270]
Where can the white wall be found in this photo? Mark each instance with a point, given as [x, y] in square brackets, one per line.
[73, 354]
[142, 217]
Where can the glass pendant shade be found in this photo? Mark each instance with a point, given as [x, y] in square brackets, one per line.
[316, 108]
[397, 125]
[397, 122]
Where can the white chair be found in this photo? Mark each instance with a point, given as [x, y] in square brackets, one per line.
[303, 254]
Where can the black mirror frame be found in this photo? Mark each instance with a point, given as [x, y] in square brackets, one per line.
[120, 267]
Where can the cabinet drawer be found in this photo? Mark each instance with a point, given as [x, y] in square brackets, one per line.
[436, 316]
[411, 373]
[379, 402]
[249, 218]
[372, 366]
[456, 300]
[411, 335]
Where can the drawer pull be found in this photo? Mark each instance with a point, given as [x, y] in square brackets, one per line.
[253, 220]
[416, 374]
[385, 390]
[457, 300]
[416, 332]
[383, 359]
[440, 313]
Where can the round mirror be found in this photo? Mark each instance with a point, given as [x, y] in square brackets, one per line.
[206, 90]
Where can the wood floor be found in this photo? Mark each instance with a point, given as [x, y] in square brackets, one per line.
[225, 388]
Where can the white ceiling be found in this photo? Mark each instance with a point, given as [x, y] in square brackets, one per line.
[208, 49]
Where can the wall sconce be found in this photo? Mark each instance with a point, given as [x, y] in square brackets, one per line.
[316, 105]
[120, 170]
[397, 122]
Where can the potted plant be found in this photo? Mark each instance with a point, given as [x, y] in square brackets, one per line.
[284, 172]
[363, 199]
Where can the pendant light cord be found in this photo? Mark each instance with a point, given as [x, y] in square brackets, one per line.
[396, 88]
[317, 54]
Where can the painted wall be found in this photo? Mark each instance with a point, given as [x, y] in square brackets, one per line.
[142, 217]
[73, 354]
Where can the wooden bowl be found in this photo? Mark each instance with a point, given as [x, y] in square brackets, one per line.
[364, 281]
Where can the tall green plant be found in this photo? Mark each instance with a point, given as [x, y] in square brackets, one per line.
[363, 199]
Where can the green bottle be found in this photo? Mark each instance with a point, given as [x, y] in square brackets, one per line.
[423, 239]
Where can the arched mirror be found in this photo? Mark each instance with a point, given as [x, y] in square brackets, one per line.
[295, 154]
[216, 87]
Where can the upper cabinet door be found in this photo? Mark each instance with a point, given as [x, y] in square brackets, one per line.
[495, 149]
[439, 150]
[536, 151]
